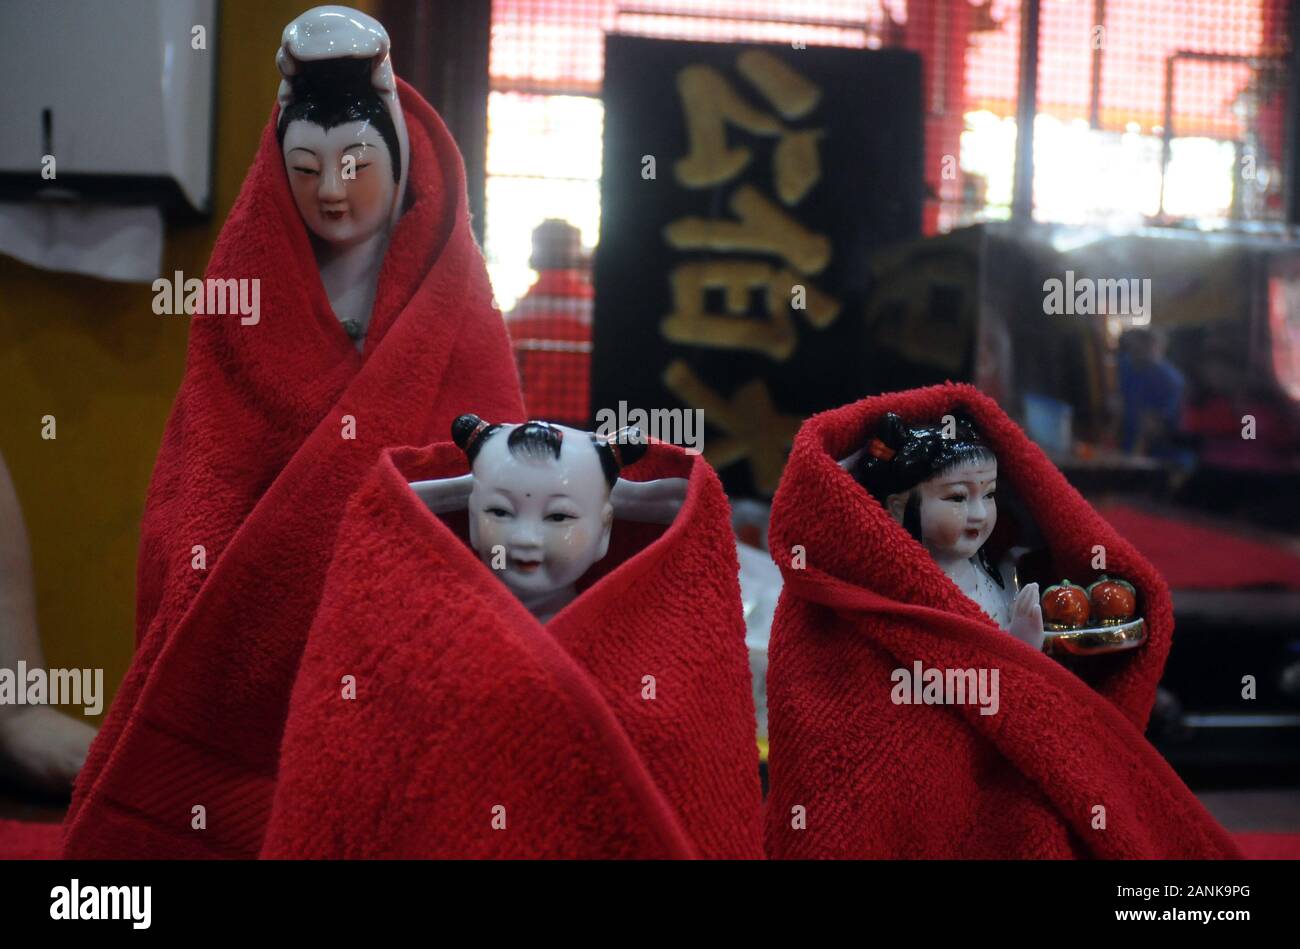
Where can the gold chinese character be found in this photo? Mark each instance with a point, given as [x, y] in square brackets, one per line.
[763, 227]
[798, 165]
[709, 101]
[793, 95]
[691, 323]
[773, 336]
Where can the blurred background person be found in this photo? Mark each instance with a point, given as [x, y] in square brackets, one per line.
[550, 326]
[1151, 389]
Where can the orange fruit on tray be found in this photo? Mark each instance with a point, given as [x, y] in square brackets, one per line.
[1113, 600]
[1066, 605]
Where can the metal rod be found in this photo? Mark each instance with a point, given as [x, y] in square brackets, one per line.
[1166, 130]
[1094, 98]
[1291, 130]
[784, 19]
[1022, 195]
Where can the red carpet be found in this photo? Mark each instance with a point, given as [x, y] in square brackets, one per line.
[1269, 846]
[1192, 557]
[27, 840]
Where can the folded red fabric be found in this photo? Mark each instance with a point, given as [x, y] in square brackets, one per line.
[273, 429]
[852, 774]
[476, 731]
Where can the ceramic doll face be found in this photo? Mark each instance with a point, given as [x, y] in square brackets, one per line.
[958, 511]
[343, 211]
[550, 517]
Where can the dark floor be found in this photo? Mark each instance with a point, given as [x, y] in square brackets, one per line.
[14, 805]
[1240, 811]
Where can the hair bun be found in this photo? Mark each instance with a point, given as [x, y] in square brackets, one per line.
[892, 430]
[632, 445]
[463, 428]
[617, 451]
[339, 75]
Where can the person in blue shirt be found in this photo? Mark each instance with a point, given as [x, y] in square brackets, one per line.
[1152, 391]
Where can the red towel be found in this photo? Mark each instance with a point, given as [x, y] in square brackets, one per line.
[255, 467]
[878, 779]
[465, 703]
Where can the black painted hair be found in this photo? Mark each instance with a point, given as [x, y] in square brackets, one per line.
[331, 92]
[539, 440]
[899, 456]
[909, 454]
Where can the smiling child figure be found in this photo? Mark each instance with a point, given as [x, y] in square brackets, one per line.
[540, 512]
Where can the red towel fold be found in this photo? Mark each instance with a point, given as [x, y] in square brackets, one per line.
[466, 704]
[255, 468]
[878, 779]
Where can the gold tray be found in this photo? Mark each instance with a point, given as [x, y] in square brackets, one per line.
[1093, 640]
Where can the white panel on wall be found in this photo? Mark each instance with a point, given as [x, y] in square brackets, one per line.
[115, 91]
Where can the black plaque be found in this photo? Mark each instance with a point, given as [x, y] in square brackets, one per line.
[744, 190]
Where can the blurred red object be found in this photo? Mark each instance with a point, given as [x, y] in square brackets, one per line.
[1195, 557]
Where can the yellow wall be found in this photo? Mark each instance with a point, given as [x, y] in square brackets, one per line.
[94, 355]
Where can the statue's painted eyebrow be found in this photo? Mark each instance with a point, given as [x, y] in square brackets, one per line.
[360, 145]
[965, 482]
[302, 148]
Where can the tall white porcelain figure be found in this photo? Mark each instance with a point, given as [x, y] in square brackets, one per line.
[346, 150]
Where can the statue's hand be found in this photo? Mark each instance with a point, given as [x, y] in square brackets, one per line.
[1027, 617]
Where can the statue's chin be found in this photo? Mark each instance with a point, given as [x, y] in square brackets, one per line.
[343, 237]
